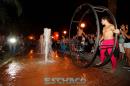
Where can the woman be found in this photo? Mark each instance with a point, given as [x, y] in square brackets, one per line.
[121, 42]
[107, 41]
[127, 44]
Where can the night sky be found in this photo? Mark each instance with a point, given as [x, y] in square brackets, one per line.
[56, 14]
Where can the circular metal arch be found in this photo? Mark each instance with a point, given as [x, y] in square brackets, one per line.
[95, 10]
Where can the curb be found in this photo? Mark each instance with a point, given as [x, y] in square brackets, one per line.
[6, 62]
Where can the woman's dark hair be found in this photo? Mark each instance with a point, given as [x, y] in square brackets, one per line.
[107, 18]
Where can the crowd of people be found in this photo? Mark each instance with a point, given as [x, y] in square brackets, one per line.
[124, 40]
[106, 42]
[11, 44]
[86, 42]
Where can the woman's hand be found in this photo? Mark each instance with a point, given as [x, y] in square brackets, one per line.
[117, 31]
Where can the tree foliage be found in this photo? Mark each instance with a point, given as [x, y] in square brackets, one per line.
[4, 14]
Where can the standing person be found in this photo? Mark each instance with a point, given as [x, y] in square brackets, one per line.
[127, 44]
[121, 42]
[63, 46]
[81, 36]
[80, 33]
[41, 40]
[107, 41]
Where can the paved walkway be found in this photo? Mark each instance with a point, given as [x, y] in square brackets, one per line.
[31, 70]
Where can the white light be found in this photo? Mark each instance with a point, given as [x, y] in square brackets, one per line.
[82, 25]
[65, 32]
[12, 40]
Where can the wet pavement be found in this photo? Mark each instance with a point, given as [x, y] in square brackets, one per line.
[31, 70]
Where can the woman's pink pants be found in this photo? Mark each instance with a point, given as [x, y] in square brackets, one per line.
[107, 44]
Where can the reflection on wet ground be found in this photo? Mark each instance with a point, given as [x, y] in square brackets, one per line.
[31, 70]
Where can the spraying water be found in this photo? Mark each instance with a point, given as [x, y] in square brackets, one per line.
[47, 45]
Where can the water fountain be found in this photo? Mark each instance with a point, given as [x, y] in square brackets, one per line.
[47, 45]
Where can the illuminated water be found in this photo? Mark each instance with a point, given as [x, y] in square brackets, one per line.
[47, 45]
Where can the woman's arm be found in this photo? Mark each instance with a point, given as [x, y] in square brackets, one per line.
[127, 36]
[114, 30]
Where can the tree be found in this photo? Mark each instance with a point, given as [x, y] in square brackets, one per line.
[5, 17]
[112, 5]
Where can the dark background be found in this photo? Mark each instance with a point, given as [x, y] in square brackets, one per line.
[56, 14]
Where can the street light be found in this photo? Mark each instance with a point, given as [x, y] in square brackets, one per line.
[65, 32]
[82, 25]
[31, 37]
[56, 35]
[12, 40]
